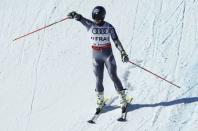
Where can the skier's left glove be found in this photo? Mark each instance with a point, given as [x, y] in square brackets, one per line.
[74, 15]
[124, 56]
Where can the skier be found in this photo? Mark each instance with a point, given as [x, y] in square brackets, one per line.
[100, 32]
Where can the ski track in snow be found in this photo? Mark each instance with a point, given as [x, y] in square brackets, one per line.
[46, 79]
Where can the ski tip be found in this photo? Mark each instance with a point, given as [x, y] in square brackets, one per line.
[91, 122]
[121, 119]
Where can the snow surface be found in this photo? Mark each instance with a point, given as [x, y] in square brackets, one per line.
[46, 79]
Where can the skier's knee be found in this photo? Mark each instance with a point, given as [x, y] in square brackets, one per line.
[113, 77]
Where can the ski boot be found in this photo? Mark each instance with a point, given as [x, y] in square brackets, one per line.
[124, 101]
[123, 98]
[100, 101]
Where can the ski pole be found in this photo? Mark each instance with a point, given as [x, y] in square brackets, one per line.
[154, 74]
[40, 29]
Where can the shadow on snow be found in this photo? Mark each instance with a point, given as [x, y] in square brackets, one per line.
[133, 107]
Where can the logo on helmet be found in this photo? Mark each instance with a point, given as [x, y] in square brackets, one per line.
[96, 11]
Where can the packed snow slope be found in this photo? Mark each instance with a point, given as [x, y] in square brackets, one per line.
[46, 79]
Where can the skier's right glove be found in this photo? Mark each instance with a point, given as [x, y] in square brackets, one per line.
[74, 15]
[124, 56]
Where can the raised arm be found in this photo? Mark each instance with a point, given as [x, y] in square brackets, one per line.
[86, 22]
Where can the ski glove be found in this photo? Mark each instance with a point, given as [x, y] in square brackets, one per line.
[124, 56]
[74, 15]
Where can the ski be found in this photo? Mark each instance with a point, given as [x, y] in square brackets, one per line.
[123, 116]
[108, 101]
[96, 115]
